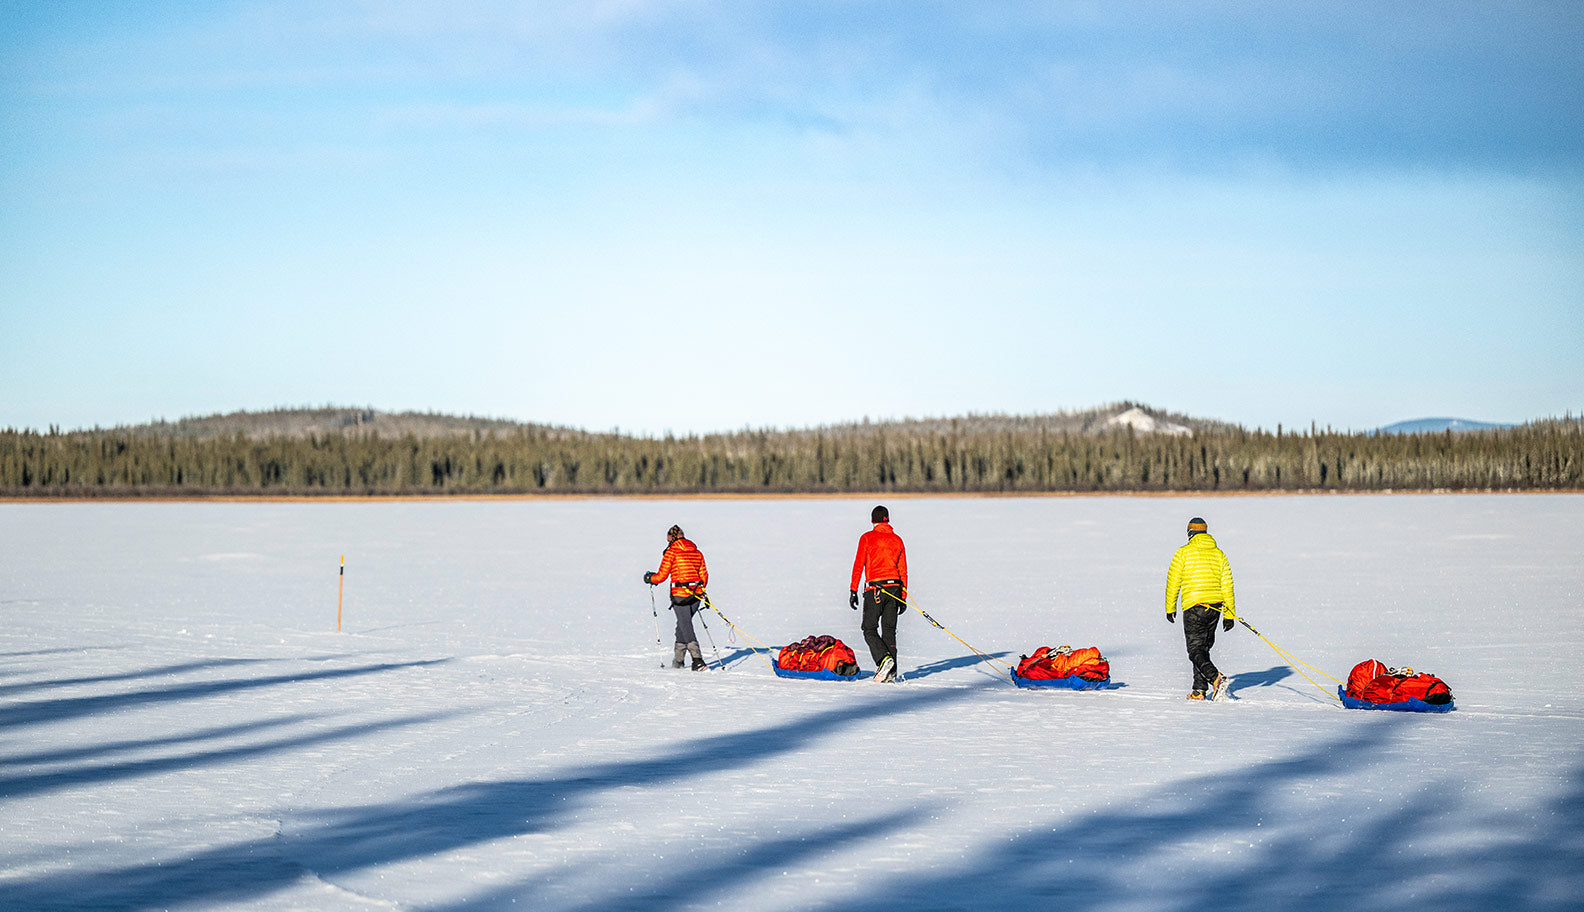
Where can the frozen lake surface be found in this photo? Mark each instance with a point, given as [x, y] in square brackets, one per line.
[182, 727]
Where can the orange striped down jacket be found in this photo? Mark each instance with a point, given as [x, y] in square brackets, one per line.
[684, 563]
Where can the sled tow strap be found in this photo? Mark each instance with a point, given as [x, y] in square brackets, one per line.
[1293, 662]
[925, 614]
[739, 631]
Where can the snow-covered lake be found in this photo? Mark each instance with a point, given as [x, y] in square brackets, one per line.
[181, 726]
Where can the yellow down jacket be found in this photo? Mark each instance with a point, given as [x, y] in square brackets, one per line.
[1200, 572]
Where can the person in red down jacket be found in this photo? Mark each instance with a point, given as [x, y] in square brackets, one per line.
[882, 563]
[684, 564]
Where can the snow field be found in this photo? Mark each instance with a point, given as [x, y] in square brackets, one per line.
[181, 727]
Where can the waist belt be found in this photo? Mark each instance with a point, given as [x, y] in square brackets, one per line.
[1214, 605]
[882, 584]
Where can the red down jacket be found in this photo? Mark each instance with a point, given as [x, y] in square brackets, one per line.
[1065, 662]
[818, 653]
[1373, 682]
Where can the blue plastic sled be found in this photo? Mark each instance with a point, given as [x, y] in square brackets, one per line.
[1411, 705]
[1072, 682]
[821, 675]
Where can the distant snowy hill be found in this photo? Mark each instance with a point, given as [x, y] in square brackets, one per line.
[1145, 423]
[1116, 416]
[1437, 425]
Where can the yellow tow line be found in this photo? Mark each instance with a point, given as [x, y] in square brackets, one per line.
[739, 631]
[1293, 662]
[925, 614]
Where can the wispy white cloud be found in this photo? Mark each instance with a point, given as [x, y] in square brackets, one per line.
[1204, 85]
[993, 182]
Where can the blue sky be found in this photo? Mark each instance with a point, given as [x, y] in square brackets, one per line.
[691, 216]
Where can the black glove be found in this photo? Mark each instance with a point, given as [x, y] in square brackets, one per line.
[1226, 624]
[647, 575]
[1171, 617]
[852, 599]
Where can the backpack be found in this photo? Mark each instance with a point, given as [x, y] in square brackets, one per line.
[1065, 662]
[1373, 682]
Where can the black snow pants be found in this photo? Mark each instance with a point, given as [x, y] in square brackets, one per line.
[879, 622]
[1199, 628]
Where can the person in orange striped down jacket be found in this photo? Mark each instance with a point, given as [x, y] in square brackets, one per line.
[684, 564]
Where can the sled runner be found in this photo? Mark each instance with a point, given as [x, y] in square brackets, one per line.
[821, 675]
[819, 658]
[1068, 683]
[1372, 685]
[1063, 667]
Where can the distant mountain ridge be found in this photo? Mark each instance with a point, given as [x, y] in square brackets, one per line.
[1438, 425]
[1121, 448]
[329, 420]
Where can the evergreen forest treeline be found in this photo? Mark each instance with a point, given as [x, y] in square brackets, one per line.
[528, 460]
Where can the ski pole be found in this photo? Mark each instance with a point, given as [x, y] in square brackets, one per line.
[926, 616]
[656, 612]
[1293, 663]
[746, 638]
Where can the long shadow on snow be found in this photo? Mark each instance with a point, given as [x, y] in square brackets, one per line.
[18, 669]
[1154, 854]
[1246, 679]
[22, 785]
[62, 708]
[358, 838]
[45, 652]
[109, 748]
[933, 668]
[160, 671]
[742, 654]
[697, 886]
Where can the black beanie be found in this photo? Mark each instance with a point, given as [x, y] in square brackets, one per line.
[879, 514]
[1195, 526]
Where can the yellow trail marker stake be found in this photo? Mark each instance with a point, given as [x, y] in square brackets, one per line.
[340, 588]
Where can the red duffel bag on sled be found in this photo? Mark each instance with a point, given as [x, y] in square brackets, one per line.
[1064, 666]
[820, 657]
[1372, 685]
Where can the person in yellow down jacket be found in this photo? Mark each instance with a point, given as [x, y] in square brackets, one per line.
[1200, 574]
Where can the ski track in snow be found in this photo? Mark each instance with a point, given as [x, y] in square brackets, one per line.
[182, 727]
